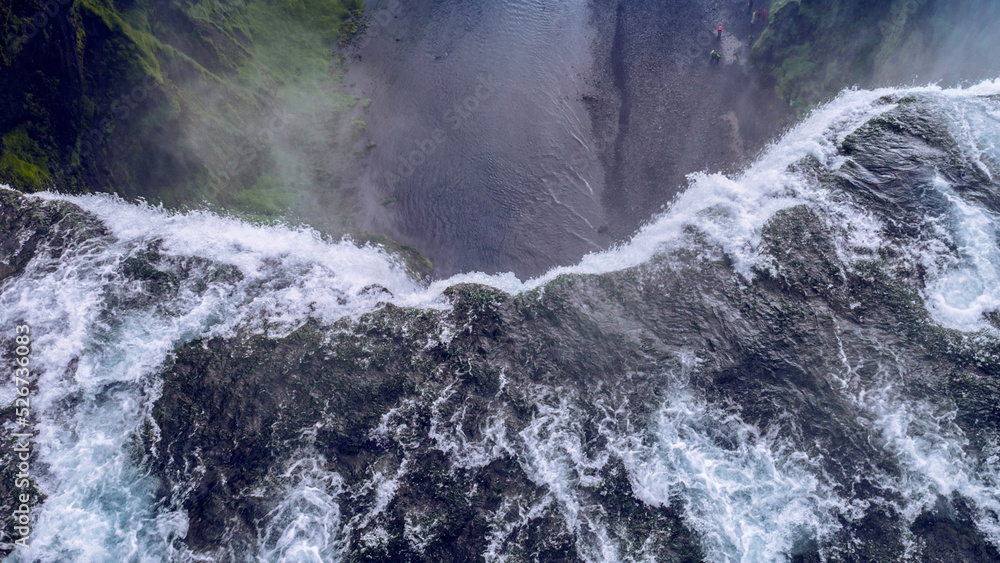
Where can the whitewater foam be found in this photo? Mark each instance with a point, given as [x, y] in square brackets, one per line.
[751, 497]
[728, 212]
[930, 448]
[305, 526]
[958, 295]
[96, 366]
[94, 387]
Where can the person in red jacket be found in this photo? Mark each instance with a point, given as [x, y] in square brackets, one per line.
[720, 32]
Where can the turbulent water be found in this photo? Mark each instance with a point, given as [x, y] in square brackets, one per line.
[800, 361]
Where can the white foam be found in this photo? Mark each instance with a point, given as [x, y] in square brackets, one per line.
[94, 387]
[975, 124]
[100, 505]
[929, 446]
[449, 435]
[554, 456]
[962, 287]
[728, 211]
[290, 273]
[306, 524]
[731, 211]
[751, 497]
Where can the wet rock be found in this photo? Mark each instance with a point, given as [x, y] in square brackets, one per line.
[497, 426]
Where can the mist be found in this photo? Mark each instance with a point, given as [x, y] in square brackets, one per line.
[950, 43]
[497, 136]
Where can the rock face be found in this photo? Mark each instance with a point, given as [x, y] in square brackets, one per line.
[812, 49]
[613, 416]
[175, 102]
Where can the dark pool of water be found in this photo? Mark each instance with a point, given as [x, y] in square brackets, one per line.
[520, 135]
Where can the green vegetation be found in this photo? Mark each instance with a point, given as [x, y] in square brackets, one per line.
[811, 49]
[234, 104]
[352, 26]
[268, 197]
[805, 50]
[24, 161]
[141, 46]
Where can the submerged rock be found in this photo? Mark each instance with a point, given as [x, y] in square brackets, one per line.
[29, 228]
[812, 49]
[538, 426]
[825, 391]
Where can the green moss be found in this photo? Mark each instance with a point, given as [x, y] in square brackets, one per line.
[346, 102]
[23, 162]
[268, 197]
[146, 44]
[285, 53]
[804, 51]
[779, 4]
[250, 85]
[793, 72]
[353, 26]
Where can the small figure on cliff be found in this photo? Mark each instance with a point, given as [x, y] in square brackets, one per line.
[750, 40]
[763, 16]
[753, 18]
[716, 56]
[720, 33]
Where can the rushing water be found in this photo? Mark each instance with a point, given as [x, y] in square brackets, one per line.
[101, 341]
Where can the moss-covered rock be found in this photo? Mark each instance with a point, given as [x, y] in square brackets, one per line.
[812, 49]
[176, 102]
[457, 408]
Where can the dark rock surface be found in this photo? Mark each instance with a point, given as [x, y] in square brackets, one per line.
[459, 424]
[814, 48]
